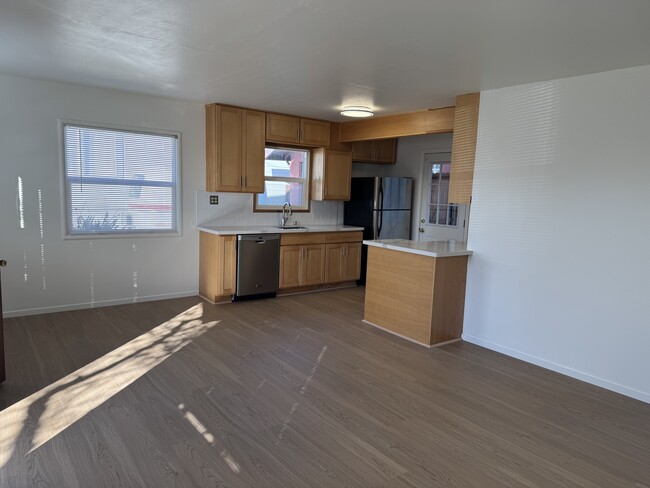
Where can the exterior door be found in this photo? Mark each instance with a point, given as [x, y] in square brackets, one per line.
[438, 220]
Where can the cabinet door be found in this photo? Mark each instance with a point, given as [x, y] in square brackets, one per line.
[334, 262]
[351, 269]
[254, 124]
[314, 132]
[217, 266]
[313, 264]
[385, 151]
[337, 175]
[363, 151]
[282, 128]
[228, 262]
[290, 266]
[228, 142]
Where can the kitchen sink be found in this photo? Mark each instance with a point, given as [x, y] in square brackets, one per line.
[291, 227]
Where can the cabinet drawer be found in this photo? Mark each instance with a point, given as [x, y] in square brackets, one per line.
[319, 238]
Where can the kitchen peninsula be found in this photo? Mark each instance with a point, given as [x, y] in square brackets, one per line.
[416, 290]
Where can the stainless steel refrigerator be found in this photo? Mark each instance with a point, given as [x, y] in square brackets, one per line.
[382, 206]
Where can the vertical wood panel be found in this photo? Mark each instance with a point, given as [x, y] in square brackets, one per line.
[463, 149]
[448, 299]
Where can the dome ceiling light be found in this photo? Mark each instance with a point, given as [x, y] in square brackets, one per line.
[357, 112]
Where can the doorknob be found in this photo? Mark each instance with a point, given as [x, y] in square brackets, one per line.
[422, 221]
[3, 263]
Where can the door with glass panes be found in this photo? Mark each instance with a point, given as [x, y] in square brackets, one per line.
[438, 219]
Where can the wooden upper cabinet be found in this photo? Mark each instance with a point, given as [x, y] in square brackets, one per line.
[314, 132]
[295, 130]
[463, 148]
[381, 151]
[254, 124]
[331, 174]
[234, 149]
[282, 128]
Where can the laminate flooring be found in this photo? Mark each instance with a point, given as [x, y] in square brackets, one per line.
[294, 392]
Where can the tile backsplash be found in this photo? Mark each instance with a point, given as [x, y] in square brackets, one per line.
[237, 209]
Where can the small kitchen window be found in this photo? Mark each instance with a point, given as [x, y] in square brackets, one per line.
[120, 182]
[286, 179]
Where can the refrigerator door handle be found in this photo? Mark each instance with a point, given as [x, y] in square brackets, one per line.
[380, 216]
[375, 225]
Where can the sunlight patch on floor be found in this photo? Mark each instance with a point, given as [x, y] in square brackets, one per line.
[38, 418]
[209, 438]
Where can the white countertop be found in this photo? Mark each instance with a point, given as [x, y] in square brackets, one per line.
[434, 249]
[222, 230]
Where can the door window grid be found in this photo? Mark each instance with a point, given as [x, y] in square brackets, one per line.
[441, 212]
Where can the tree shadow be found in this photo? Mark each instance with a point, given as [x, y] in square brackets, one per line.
[30, 423]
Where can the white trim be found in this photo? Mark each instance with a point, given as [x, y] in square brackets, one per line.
[558, 368]
[429, 346]
[178, 194]
[97, 304]
[306, 182]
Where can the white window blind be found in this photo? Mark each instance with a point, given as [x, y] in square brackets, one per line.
[120, 182]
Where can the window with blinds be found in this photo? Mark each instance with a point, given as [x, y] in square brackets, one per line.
[120, 181]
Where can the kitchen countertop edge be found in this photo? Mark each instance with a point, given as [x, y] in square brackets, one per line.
[434, 249]
[225, 230]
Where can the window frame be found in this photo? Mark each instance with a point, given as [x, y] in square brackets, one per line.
[306, 207]
[438, 205]
[65, 195]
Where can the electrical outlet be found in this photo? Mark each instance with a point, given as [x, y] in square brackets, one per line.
[214, 199]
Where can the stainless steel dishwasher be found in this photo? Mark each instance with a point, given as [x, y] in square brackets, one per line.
[258, 266]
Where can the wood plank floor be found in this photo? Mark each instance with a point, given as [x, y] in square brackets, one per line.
[294, 392]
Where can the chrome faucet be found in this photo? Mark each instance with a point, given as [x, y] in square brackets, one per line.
[286, 212]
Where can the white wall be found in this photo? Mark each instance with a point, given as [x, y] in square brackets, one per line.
[235, 209]
[408, 163]
[47, 273]
[560, 227]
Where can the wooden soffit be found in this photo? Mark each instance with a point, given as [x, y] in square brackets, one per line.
[410, 124]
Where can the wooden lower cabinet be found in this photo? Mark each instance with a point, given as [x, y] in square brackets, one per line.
[302, 265]
[308, 261]
[217, 266]
[343, 262]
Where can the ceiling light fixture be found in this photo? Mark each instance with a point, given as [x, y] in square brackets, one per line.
[357, 112]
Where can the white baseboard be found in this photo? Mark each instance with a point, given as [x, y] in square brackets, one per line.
[558, 368]
[97, 304]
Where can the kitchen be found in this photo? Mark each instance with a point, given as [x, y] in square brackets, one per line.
[243, 262]
[548, 385]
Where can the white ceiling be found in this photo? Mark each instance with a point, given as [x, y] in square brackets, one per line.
[310, 57]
